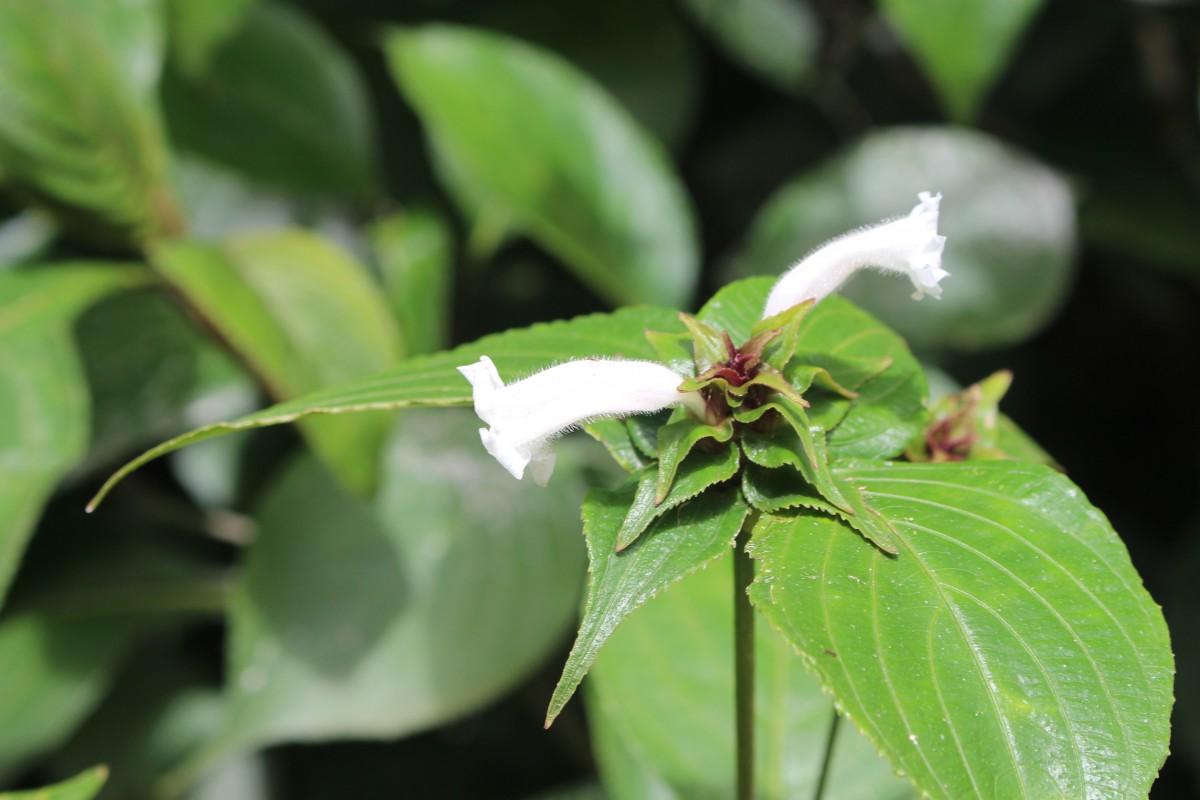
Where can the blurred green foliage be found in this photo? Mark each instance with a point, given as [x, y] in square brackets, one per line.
[210, 205]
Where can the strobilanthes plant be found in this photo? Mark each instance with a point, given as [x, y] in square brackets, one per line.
[956, 594]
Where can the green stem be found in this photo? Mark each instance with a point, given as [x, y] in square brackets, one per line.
[743, 661]
[829, 739]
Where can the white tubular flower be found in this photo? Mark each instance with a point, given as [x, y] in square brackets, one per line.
[908, 245]
[524, 416]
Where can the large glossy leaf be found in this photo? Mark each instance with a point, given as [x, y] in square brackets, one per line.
[79, 125]
[539, 140]
[55, 672]
[43, 390]
[675, 546]
[963, 45]
[778, 39]
[280, 102]
[435, 381]
[652, 68]
[303, 316]
[363, 621]
[1009, 650]
[661, 691]
[1008, 219]
[84, 786]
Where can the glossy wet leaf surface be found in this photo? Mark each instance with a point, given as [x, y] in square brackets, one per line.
[1008, 650]
[548, 148]
[280, 102]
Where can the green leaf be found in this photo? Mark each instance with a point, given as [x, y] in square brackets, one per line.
[851, 346]
[708, 345]
[197, 28]
[1008, 219]
[781, 333]
[543, 142]
[618, 583]
[415, 253]
[673, 349]
[43, 390]
[614, 435]
[652, 68]
[280, 102]
[152, 373]
[643, 431]
[659, 705]
[83, 786]
[858, 352]
[303, 316]
[56, 670]
[693, 477]
[676, 441]
[1008, 651]
[79, 124]
[802, 446]
[452, 586]
[794, 442]
[772, 490]
[777, 39]
[434, 380]
[737, 307]
[963, 45]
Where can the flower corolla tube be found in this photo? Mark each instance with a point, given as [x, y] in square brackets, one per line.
[908, 245]
[526, 415]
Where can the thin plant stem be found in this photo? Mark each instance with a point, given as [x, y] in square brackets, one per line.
[829, 739]
[743, 661]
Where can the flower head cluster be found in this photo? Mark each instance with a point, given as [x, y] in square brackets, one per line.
[523, 417]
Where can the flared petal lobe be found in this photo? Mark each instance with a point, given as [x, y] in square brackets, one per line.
[909, 245]
[524, 416]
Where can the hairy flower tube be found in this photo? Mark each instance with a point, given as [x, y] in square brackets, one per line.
[526, 415]
[908, 245]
